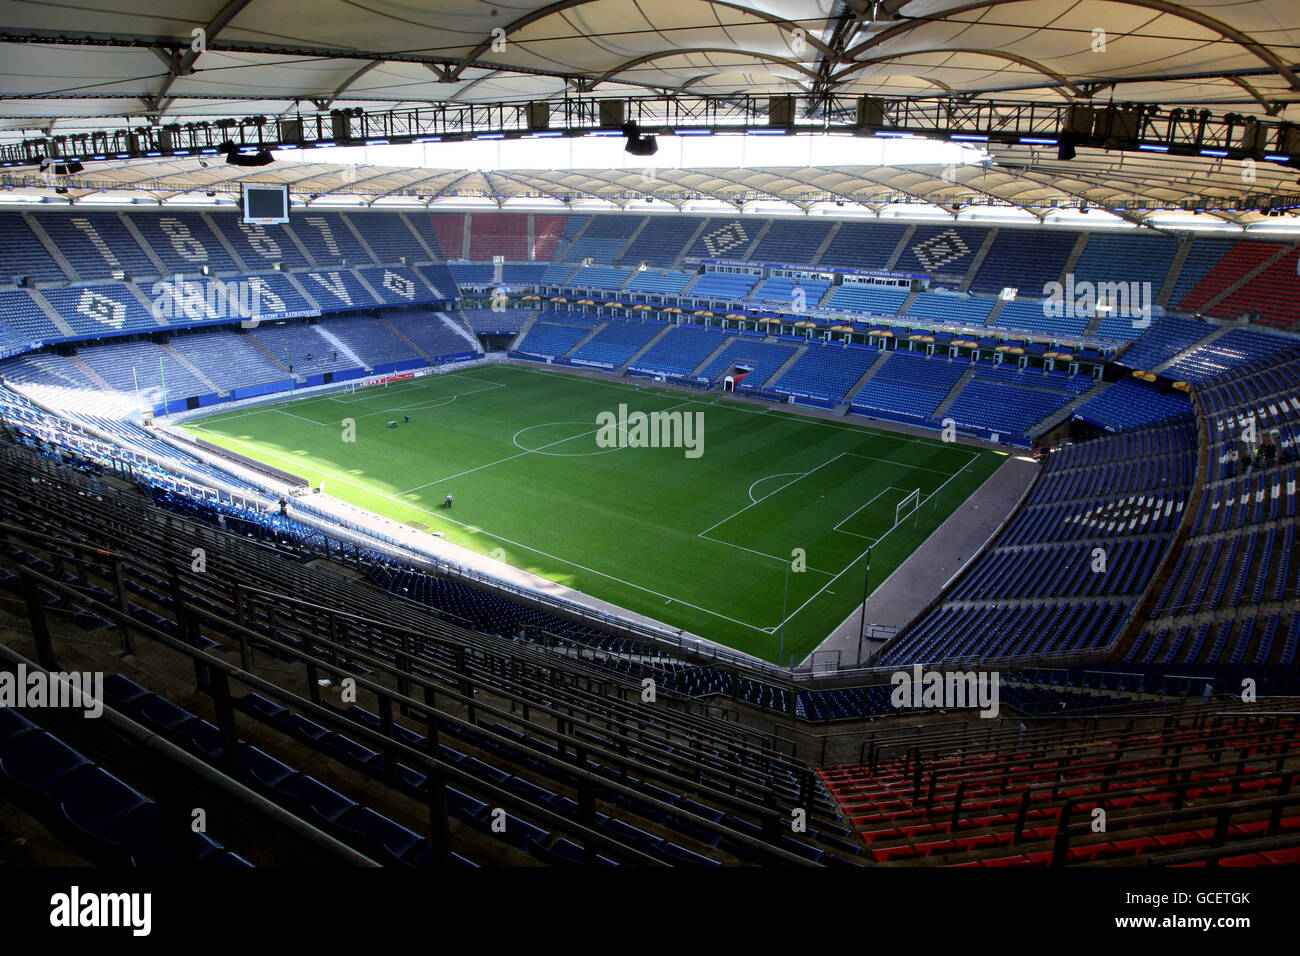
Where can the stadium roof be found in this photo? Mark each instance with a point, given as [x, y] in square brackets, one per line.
[105, 64]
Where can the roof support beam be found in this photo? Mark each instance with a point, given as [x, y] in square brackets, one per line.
[686, 51]
[1060, 78]
[158, 103]
[325, 102]
[561, 5]
[1161, 6]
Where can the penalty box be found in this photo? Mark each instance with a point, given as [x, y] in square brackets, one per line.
[838, 508]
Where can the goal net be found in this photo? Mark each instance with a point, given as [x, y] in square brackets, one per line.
[907, 507]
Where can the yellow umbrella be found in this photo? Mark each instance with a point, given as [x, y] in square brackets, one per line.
[1183, 386]
[884, 333]
[641, 306]
[703, 312]
[1015, 350]
[558, 298]
[734, 315]
[672, 308]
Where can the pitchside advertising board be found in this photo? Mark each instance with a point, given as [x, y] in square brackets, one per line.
[266, 205]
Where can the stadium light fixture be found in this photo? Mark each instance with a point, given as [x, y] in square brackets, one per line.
[234, 157]
[637, 143]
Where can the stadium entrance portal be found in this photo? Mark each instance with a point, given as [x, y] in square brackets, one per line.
[736, 376]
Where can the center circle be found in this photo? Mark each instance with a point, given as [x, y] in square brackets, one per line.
[552, 438]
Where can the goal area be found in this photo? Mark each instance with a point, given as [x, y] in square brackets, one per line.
[907, 507]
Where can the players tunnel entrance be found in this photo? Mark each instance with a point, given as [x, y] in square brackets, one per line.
[735, 377]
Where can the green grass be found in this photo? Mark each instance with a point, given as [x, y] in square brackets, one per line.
[698, 543]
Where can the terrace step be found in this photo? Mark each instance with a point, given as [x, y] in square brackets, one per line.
[261, 347]
[1066, 412]
[402, 337]
[584, 340]
[1175, 270]
[460, 329]
[146, 304]
[361, 281]
[762, 231]
[50, 246]
[130, 227]
[826, 243]
[360, 238]
[466, 233]
[84, 368]
[942, 408]
[681, 254]
[852, 393]
[418, 238]
[996, 311]
[776, 376]
[726, 340]
[225, 243]
[1075, 255]
[907, 303]
[1261, 267]
[302, 290]
[523, 333]
[342, 346]
[617, 258]
[192, 368]
[568, 276]
[645, 348]
[1213, 336]
[51, 313]
[561, 253]
[900, 248]
[302, 247]
[978, 261]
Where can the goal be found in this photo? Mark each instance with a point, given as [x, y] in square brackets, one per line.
[907, 507]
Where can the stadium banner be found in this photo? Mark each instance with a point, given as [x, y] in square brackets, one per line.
[385, 379]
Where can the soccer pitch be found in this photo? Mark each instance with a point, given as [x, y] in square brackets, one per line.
[701, 542]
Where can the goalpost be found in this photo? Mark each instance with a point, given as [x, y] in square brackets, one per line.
[907, 507]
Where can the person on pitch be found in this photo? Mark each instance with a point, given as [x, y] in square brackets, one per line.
[446, 503]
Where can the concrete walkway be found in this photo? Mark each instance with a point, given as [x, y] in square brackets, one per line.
[918, 580]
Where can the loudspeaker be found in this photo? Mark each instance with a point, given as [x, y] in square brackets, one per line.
[1288, 139]
[166, 140]
[340, 125]
[539, 116]
[611, 112]
[290, 130]
[1078, 120]
[1118, 127]
[871, 113]
[780, 111]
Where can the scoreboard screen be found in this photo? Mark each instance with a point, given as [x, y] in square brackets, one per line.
[266, 205]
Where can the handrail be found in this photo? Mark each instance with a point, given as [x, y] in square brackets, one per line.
[225, 783]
